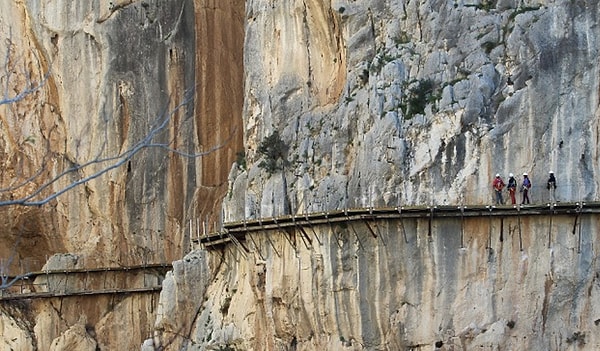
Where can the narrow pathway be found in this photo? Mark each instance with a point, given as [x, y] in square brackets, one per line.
[236, 231]
[85, 281]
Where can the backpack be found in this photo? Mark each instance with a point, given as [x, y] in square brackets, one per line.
[498, 184]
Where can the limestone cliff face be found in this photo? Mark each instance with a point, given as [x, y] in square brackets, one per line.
[408, 102]
[115, 78]
[383, 103]
[377, 103]
[499, 286]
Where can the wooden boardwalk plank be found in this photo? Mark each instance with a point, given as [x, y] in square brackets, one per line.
[238, 229]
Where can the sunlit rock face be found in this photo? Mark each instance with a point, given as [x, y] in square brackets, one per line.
[405, 102]
[109, 80]
[375, 103]
[513, 283]
[386, 103]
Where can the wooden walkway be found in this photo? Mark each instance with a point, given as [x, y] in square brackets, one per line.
[148, 278]
[236, 231]
[85, 281]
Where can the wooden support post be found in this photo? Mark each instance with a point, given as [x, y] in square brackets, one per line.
[237, 244]
[313, 229]
[520, 233]
[252, 240]
[267, 236]
[462, 227]
[399, 209]
[285, 234]
[579, 210]
[337, 240]
[489, 241]
[357, 237]
[370, 229]
[305, 238]
[243, 245]
[256, 247]
[223, 259]
[577, 215]
[579, 236]
[430, 222]
[501, 229]
[271, 243]
[303, 235]
[550, 226]
[376, 235]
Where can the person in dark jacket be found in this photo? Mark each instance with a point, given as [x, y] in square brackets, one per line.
[512, 188]
[551, 186]
[525, 188]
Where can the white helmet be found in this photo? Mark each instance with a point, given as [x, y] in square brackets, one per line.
[525, 174]
[511, 175]
[497, 175]
[551, 172]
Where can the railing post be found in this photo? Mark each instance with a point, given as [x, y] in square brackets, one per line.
[462, 227]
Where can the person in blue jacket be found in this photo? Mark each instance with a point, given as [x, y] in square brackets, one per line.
[525, 188]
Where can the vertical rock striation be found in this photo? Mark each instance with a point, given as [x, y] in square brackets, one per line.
[365, 103]
[116, 78]
[415, 286]
[427, 101]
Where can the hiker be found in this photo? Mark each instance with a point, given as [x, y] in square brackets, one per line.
[551, 186]
[525, 188]
[512, 188]
[498, 185]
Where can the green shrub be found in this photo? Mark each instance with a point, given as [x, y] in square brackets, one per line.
[241, 160]
[274, 152]
[488, 46]
[418, 97]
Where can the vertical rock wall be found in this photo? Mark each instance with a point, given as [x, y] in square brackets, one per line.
[114, 75]
[514, 283]
[117, 77]
[220, 81]
[376, 102]
[427, 101]
[111, 75]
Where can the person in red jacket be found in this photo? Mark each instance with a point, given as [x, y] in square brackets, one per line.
[498, 185]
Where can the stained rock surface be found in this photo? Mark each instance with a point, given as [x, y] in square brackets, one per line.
[335, 105]
[118, 94]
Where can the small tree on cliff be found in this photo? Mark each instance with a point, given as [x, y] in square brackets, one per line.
[274, 152]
